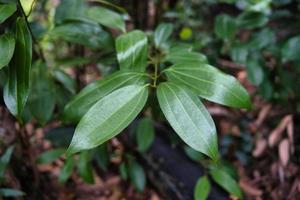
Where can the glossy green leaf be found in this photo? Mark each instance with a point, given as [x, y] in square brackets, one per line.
[250, 20]
[202, 188]
[291, 49]
[137, 175]
[9, 192]
[4, 160]
[211, 84]
[87, 34]
[70, 10]
[226, 182]
[225, 27]
[179, 56]
[67, 170]
[83, 101]
[132, 50]
[50, 156]
[145, 134]
[188, 117]
[16, 90]
[162, 33]
[108, 117]
[7, 48]
[6, 10]
[106, 18]
[84, 166]
[41, 101]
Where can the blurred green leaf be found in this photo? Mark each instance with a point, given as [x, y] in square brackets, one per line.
[145, 134]
[7, 48]
[6, 10]
[162, 33]
[137, 175]
[132, 50]
[108, 117]
[188, 117]
[226, 182]
[106, 18]
[67, 170]
[225, 27]
[202, 188]
[193, 154]
[211, 84]
[255, 73]
[95, 91]
[60, 136]
[180, 56]
[66, 80]
[251, 20]
[291, 49]
[70, 10]
[4, 160]
[9, 192]
[101, 156]
[50, 156]
[84, 166]
[16, 90]
[123, 171]
[83, 33]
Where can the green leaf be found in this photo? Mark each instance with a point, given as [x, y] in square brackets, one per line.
[255, 72]
[16, 89]
[106, 18]
[8, 192]
[123, 171]
[67, 170]
[211, 84]
[202, 188]
[83, 33]
[137, 175]
[226, 182]
[50, 156]
[83, 101]
[162, 34]
[193, 154]
[108, 117]
[41, 101]
[145, 134]
[85, 167]
[262, 39]
[4, 160]
[101, 156]
[6, 10]
[251, 20]
[66, 80]
[180, 56]
[70, 10]
[225, 27]
[7, 48]
[188, 117]
[132, 50]
[239, 53]
[291, 49]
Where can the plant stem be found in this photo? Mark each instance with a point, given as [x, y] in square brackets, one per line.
[155, 72]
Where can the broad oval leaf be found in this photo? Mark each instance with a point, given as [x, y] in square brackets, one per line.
[291, 49]
[83, 33]
[188, 117]
[226, 181]
[145, 134]
[180, 56]
[70, 10]
[83, 101]
[16, 89]
[137, 175]
[7, 47]
[132, 50]
[106, 18]
[85, 168]
[6, 10]
[108, 117]
[162, 34]
[211, 84]
[202, 188]
[225, 27]
[250, 20]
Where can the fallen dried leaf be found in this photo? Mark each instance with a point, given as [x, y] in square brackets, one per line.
[250, 189]
[284, 152]
[276, 134]
[260, 147]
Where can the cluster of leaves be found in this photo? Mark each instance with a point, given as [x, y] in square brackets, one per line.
[151, 68]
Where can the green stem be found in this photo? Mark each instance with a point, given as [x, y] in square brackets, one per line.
[155, 72]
